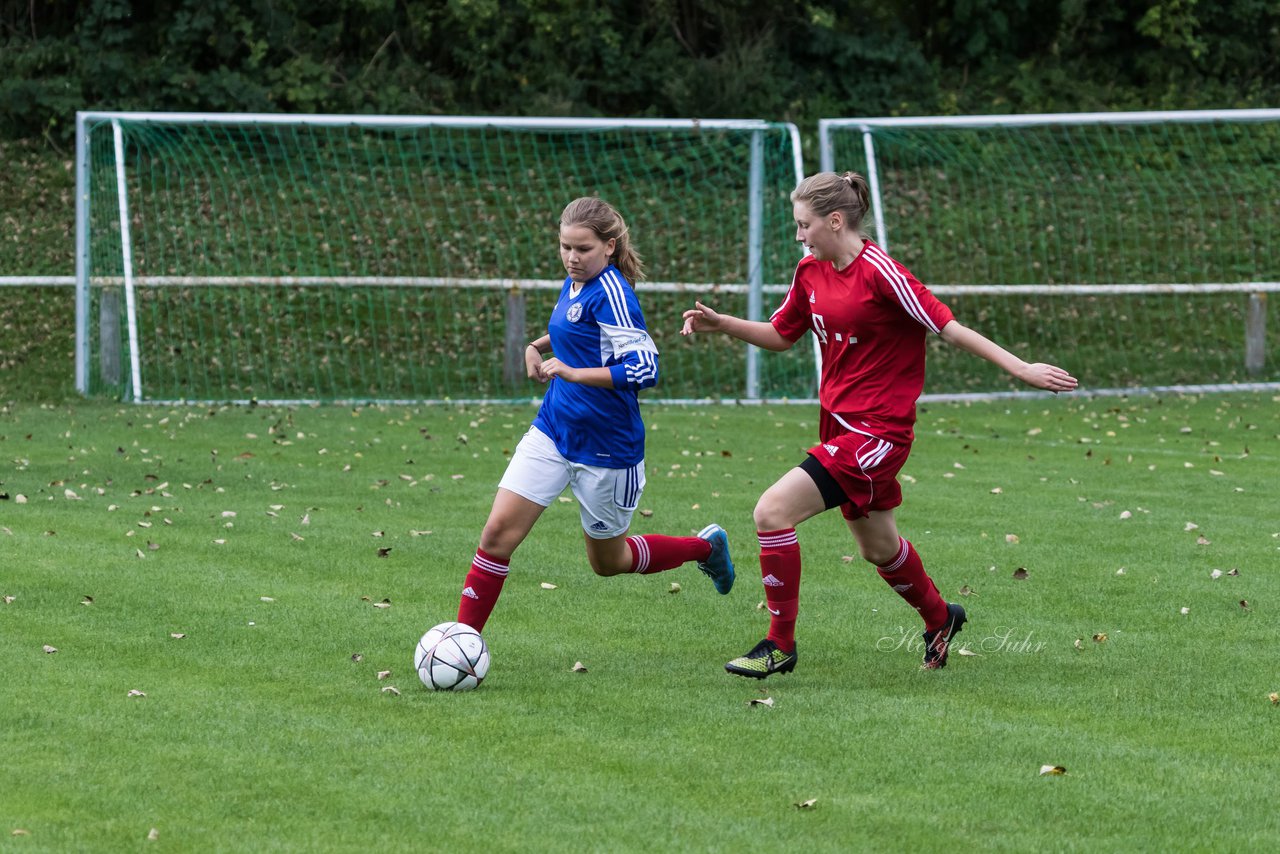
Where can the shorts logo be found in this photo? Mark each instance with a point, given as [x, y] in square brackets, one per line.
[574, 314]
[599, 526]
[771, 581]
[469, 593]
[831, 449]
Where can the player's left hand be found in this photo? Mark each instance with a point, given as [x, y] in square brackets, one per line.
[1049, 377]
[553, 367]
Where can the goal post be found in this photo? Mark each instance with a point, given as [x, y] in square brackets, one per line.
[1136, 249]
[298, 258]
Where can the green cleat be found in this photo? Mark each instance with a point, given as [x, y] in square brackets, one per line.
[765, 658]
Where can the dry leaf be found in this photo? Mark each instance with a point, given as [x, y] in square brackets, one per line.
[305, 520]
[1052, 770]
[578, 667]
[1079, 643]
[997, 491]
[385, 603]
[296, 538]
[265, 599]
[546, 585]
[357, 657]
[49, 650]
[1202, 540]
[645, 514]
[1274, 697]
[805, 805]
[1191, 526]
[379, 534]
[18, 831]
[1184, 611]
[88, 600]
[1215, 574]
[177, 635]
[1011, 538]
[391, 689]
[1020, 574]
[228, 514]
[153, 835]
[1125, 514]
[1244, 603]
[136, 693]
[847, 558]
[761, 701]
[383, 674]
[419, 533]
[966, 590]
[675, 587]
[1120, 571]
[8, 599]
[965, 651]
[384, 551]
[1233, 571]
[1100, 637]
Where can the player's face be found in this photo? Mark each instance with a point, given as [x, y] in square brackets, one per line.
[583, 253]
[815, 232]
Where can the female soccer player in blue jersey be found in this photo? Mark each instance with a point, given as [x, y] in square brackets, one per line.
[588, 435]
[871, 317]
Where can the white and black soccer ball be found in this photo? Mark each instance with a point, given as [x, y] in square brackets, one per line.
[451, 657]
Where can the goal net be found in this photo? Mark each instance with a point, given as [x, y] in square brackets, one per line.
[347, 258]
[1138, 250]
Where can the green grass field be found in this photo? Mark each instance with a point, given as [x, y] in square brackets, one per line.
[122, 527]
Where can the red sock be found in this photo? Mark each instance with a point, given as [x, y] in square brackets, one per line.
[481, 590]
[780, 571]
[907, 577]
[656, 553]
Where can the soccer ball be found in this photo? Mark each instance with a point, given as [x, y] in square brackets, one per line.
[451, 657]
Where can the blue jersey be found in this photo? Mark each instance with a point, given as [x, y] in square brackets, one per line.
[599, 326]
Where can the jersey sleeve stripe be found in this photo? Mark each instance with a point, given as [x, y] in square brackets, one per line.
[613, 288]
[906, 296]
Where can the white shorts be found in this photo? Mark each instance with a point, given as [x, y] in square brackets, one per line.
[607, 498]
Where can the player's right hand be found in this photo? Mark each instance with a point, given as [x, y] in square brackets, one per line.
[700, 319]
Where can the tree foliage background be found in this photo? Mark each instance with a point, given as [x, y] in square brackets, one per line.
[791, 60]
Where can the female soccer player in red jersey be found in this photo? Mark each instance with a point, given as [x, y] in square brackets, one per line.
[871, 316]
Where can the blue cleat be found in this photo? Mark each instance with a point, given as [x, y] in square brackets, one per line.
[718, 566]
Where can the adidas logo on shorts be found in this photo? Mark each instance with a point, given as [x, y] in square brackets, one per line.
[599, 526]
[771, 581]
[469, 593]
[831, 449]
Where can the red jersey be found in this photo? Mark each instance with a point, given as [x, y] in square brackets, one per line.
[871, 319]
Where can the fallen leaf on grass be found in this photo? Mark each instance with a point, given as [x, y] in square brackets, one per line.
[965, 651]
[1244, 603]
[1274, 697]
[391, 689]
[177, 635]
[1052, 770]
[966, 590]
[19, 831]
[1100, 637]
[806, 805]
[997, 491]
[8, 599]
[1011, 538]
[384, 552]
[675, 587]
[1184, 611]
[1202, 540]
[383, 674]
[88, 600]
[1079, 644]
[49, 650]
[357, 657]
[761, 701]
[547, 585]
[578, 667]
[645, 514]
[136, 693]
[153, 835]
[1020, 574]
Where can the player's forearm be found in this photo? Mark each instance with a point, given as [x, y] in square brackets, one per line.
[959, 335]
[758, 332]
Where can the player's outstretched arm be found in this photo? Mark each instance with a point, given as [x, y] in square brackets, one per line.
[702, 318]
[1037, 374]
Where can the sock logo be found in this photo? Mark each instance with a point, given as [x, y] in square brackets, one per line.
[469, 593]
[771, 581]
[901, 588]
[775, 612]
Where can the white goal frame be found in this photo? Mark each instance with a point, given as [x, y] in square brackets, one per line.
[754, 288]
[1256, 289]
